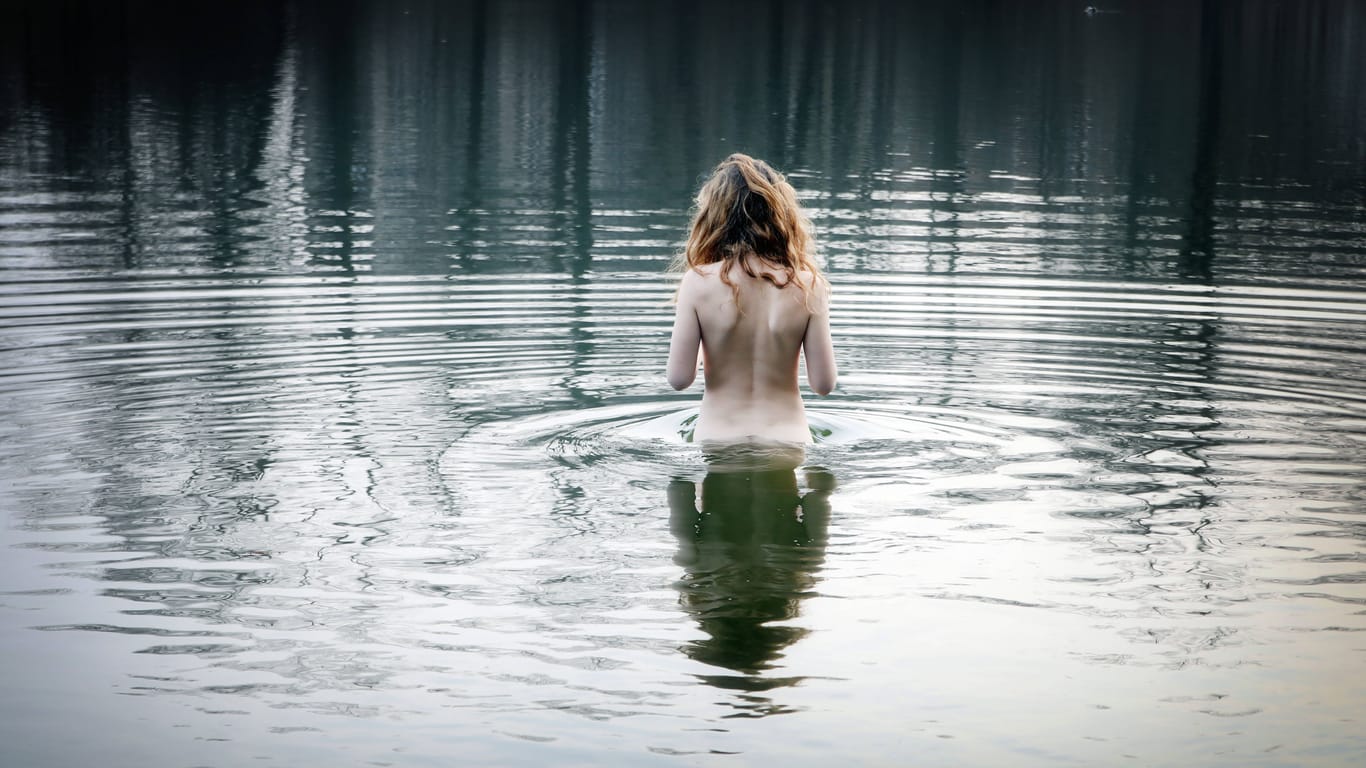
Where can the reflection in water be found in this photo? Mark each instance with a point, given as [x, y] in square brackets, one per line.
[750, 544]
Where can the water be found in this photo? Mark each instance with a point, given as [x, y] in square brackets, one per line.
[334, 427]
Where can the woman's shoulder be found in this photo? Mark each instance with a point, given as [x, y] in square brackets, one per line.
[811, 279]
[699, 281]
[704, 275]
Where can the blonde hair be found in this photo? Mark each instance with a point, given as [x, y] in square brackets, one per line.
[748, 209]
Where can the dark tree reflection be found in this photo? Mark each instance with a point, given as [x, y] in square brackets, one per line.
[1197, 254]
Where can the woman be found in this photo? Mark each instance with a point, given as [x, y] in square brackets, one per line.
[753, 300]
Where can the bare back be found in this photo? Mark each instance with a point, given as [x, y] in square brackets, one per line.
[750, 352]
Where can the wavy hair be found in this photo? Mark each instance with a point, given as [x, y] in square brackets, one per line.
[748, 209]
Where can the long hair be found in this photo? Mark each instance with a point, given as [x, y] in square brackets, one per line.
[748, 209]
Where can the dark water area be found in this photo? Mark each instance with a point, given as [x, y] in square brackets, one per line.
[1217, 121]
[333, 423]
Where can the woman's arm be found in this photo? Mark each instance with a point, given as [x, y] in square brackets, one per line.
[687, 336]
[818, 348]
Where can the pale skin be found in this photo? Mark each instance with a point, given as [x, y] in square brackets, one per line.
[750, 358]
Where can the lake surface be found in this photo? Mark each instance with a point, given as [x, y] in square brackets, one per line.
[334, 430]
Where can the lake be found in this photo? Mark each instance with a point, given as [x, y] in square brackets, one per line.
[334, 428]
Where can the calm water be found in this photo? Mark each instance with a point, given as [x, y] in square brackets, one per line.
[334, 431]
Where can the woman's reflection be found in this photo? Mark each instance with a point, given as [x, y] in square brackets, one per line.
[750, 546]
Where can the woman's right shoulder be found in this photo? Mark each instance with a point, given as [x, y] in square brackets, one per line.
[813, 281]
[817, 291]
